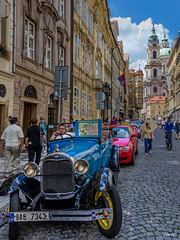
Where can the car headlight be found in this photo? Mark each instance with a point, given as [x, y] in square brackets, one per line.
[81, 166]
[30, 169]
[124, 148]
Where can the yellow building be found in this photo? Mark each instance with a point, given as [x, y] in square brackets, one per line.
[173, 96]
[135, 94]
[6, 70]
[96, 60]
[156, 108]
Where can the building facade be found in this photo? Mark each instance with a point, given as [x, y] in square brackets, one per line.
[156, 70]
[156, 108]
[43, 42]
[96, 60]
[173, 98]
[135, 94]
[6, 66]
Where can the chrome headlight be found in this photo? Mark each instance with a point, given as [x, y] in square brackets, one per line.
[30, 169]
[124, 148]
[81, 166]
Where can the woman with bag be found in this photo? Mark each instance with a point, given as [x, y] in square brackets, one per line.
[147, 136]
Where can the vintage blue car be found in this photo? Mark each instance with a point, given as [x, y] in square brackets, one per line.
[76, 182]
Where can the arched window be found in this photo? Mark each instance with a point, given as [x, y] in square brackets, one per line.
[30, 92]
[155, 89]
[155, 72]
[164, 94]
[154, 54]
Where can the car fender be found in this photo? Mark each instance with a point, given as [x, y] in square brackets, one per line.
[17, 183]
[104, 180]
[114, 163]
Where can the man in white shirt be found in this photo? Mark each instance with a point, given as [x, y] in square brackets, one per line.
[12, 144]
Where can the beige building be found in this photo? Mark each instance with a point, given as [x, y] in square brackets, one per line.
[156, 108]
[173, 97]
[43, 42]
[6, 67]
[96, 60]
[135, 94]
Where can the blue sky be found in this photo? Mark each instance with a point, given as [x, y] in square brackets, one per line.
[135, 19]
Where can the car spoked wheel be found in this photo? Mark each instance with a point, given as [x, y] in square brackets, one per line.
[14, 207]
[110, 226]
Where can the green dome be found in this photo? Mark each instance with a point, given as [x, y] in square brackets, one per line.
[165, 51]
[154, 36]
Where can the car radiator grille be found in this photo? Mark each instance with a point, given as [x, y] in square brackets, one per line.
[58, 176]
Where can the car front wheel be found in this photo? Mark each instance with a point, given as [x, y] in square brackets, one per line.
[14, 207]
[110, 226]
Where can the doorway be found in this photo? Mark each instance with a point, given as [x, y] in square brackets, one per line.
[2, 118]
[29, 112]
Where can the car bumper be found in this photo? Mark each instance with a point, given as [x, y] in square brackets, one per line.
[74, 215]
[125, 156]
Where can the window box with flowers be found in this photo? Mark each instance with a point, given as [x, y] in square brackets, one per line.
[4, 52]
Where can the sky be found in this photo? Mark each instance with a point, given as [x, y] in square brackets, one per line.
[135, 19]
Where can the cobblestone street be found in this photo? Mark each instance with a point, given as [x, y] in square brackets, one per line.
[150, 195]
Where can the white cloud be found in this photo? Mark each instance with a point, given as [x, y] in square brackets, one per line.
[135, 38]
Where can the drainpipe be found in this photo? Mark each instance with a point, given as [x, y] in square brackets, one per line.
[71, 56]
[14, 38]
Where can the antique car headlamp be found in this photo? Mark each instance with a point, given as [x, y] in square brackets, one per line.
[81, 166]
[30, 169]
[124, 148]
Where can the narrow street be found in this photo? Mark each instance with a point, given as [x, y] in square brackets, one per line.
[150, 195]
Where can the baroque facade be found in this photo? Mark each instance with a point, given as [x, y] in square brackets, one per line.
[43, 42]
[173, 99]
[6, 66]
[135, 94]
[156, 108]
[96, 60]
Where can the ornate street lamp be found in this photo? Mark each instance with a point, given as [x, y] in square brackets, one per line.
[107, 91]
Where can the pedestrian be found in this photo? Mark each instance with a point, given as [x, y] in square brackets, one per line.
[120, 120]
[113, 121]
[71, 125]
[147, 136]
[12, 144]
[33, 141]
[177, 129]
[43, 126]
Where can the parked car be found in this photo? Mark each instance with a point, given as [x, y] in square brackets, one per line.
[76, 182]
[127, 141]
[159, 122]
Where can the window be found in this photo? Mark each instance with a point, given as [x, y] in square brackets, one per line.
[84, 12]
[104, 49]
[107, 54]
[48, 52]
[139, 89]
[90, 63]
[164, 87]
[159, 106]
[76, 101]
[90, 106]
[2, 90]
[77, 6]
[139, 79]
[155, 89]
[29, 41]
[3, 30]
[164, 94]
[159, 112]
[30, 92]
[130, 90]
[139, 100]
[164, 106]
[130, 80]
[99, 39]
[130, 100]
[153, 106]
[90, 22]
[136, 79]
[61, 56]
[153, 112]
[154, 54]
[97, 69]
[155, 73]
[76, 55]
[83, 103]
[100, 71]
[61, 9]
[84, 57]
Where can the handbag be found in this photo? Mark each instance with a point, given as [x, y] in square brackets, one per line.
[152, 137]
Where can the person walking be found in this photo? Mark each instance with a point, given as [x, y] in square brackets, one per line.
[12, 144]
[168, 129]
[33, 141]
[147, 136]
[43, 126]
[177, 129]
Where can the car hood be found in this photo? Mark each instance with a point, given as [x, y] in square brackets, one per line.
[121, 142]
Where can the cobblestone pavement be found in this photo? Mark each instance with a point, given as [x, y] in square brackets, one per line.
[150, 195]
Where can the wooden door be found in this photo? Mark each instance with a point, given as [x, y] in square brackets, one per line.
[27, 116]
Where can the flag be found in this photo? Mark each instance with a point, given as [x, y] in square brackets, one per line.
[122, 82]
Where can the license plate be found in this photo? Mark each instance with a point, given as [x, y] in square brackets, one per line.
[29, 216]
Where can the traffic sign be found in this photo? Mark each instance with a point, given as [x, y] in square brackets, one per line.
[61, 82]
[100, 105]
[100, 96]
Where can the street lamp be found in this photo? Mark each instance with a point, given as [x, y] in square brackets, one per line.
[125, 103]
[107, 91]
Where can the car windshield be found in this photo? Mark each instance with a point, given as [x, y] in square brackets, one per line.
[121, 132]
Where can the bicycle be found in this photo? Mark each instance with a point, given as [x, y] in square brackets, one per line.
[168, 140]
